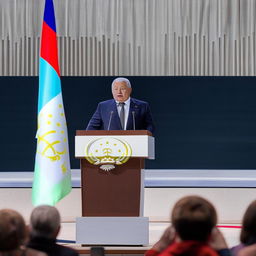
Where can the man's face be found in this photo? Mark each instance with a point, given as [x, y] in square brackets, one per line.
[121, 92]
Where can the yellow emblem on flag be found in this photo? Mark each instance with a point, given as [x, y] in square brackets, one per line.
[48, 145]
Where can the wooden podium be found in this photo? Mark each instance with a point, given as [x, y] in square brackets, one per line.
[118, 192]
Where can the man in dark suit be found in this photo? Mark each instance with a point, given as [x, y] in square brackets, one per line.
[122, 112]
[45, 226]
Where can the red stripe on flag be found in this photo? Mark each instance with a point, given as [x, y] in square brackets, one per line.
[49, 50]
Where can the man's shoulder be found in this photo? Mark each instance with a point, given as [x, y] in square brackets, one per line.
[139, 102]
[106, 102]
[66, 251]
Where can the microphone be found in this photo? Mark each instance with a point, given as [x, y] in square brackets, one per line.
[110, 118]
[133, 119]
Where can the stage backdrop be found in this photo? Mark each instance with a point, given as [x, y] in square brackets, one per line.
[202, 122]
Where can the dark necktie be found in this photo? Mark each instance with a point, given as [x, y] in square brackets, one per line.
[122, 113]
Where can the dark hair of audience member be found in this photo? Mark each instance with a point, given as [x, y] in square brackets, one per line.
[12, 230]
[193, 218]
[248, 232]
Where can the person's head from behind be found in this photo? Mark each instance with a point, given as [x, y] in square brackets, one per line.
[45, 222]
[13, 232]
[248, 232]
[193, 218]
[121, 89]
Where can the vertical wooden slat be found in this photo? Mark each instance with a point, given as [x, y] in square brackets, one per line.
[27, 56]
[67, 57]
[92, 56]
[1, 58]
[100, 58]
[118, 58]
[207, 56]
[175, 48]
[108, 55]
[75, 56]
[139, 61]
[183, 52]
[9, 56]
[147, 51]
[254, 50]
[32, 56]
[226, 54]
[246, 57]
[87, 56]
[113, 57]
[104, 55]
[189, 52]
[166, 54]
[251, 55]
[130, 61]
[14, 59]
[96, 56]
[72, 51]
[5, 53]
[18, 59]
[202, 56]
[239, 63]
[37, 54]
[196, 55]
[236, 59]
[242, 60]
[22, 59]
[83, 54]
[179, 57]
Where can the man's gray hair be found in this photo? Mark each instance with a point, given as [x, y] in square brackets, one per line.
[45, 221]
[122, 79]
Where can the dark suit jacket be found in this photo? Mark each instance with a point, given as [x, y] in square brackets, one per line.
[50, 247]
[106, 116]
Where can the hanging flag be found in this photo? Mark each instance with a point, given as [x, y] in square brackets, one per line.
[52, 177]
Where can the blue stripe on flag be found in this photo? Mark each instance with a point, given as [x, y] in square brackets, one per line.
[49, 84]
[49, 14]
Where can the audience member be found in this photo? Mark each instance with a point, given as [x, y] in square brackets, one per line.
[248, 232]
[249, 250]
[13, 235]
[193, 231]
[45, 226]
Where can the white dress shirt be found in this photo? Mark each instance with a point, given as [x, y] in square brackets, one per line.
[126, 110]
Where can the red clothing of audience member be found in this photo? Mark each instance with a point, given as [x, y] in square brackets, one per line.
[188, 248]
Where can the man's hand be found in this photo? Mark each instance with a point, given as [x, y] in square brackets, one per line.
[166, 239]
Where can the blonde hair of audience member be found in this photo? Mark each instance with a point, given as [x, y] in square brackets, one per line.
[45, 222]
[14, 235]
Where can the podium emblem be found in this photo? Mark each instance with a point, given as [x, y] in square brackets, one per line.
[108, 152]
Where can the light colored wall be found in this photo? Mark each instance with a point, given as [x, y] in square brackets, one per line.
[229, 202]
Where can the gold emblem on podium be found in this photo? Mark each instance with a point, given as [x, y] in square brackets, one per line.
[108, 152]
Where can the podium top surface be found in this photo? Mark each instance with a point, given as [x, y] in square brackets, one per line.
[112, 132]
[138, 143]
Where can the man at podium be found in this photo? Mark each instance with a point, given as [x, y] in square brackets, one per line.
[122, 112]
